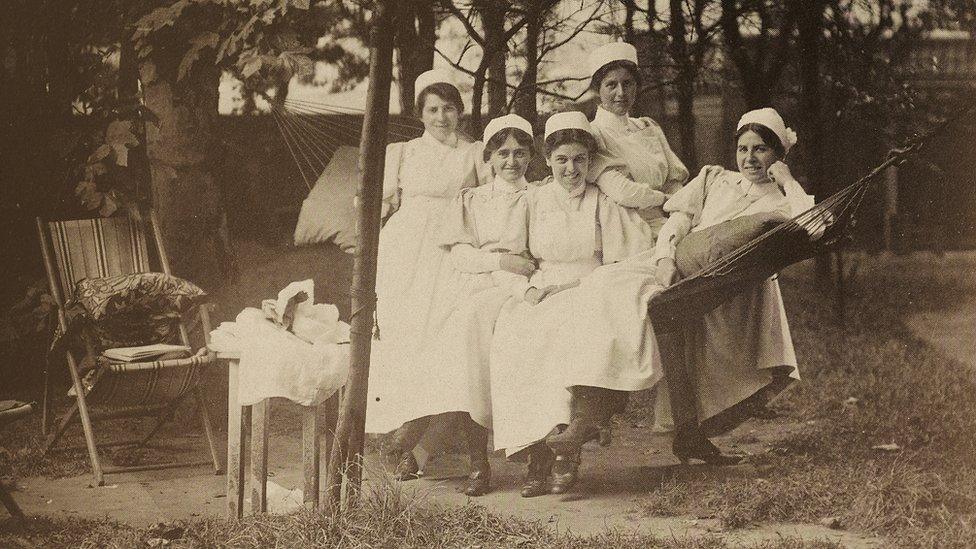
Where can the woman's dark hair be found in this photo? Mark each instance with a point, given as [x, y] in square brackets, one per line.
[768, 136]
[570, 135]
[445, 91]
[496, 141]
[602, 72]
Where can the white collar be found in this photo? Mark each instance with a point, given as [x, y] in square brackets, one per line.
[610, 120]
[500, 185]
[452, 143]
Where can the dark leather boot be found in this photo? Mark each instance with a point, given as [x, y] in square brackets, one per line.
[539, 469]
[404, 441]
[688, 445]
[565, 473]
[479, 481]
[590, 420]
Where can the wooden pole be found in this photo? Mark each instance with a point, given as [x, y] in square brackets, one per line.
[345, 458]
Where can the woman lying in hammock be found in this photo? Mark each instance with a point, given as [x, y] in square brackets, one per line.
[738, 355]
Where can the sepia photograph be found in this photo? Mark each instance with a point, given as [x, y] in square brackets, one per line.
[681, 274]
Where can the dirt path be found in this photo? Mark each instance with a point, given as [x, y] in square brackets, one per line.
[608, 497]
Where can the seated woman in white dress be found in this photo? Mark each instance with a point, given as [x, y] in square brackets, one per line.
[416, 287]
[738, 355]
[573, 228]
[485, 231]
[638, 142]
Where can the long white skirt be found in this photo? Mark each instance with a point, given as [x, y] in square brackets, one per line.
[734, 350]
[417, 290]
[464, 347]
[597, 334]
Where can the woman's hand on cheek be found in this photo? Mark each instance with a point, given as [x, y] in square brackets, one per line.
[780, 173]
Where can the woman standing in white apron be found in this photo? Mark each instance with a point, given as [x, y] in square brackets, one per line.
[641, 145]
[416, 288]
[638, 142]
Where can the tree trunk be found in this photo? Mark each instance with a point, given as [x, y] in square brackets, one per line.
[630, 9]
[183, 189]
[524, 103]
[810, 26]
[347, 450]
[477, 93]
[685, 83]
[758, 75]
[415, 30]
[493, 18]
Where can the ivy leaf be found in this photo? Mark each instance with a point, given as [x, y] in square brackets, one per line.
[199, 43]
[147, 72]
[94, 170]
[297, 63]
[251, 66]
[109, 206]
[91, 198]
[119, 132]
[101, 153]
[300, 4]
[84, 187]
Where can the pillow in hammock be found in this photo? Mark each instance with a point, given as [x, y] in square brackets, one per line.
[699, 248]
[328, 213]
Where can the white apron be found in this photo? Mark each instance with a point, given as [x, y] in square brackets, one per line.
[415, 285]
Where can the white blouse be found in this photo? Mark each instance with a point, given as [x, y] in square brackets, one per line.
[426, 168]
[485, 224]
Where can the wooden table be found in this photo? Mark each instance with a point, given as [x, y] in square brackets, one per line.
[240, 418]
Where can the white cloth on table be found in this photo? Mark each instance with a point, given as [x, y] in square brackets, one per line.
[416, 288]
[276, 363]
[571, 234]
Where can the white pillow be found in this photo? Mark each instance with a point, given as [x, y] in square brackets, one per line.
[328, 213]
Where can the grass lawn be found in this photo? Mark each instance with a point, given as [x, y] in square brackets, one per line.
[868, 383]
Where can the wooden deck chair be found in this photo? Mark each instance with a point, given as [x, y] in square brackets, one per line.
[102, 247]
[11, 410]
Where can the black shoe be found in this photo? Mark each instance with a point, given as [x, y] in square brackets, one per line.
[407, 468]
[479, 482]
[539, 469]
[565, 473]
[694, 446]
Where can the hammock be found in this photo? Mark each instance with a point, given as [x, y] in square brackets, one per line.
[312, 138]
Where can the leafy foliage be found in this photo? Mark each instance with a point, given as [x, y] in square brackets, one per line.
[264, 43]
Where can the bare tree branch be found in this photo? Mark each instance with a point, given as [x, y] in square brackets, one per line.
[472, 73]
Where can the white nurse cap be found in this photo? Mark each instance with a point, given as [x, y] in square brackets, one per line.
[771, 119]
[608, 53]
[567, 121]
[433, 76]
[508, 121]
